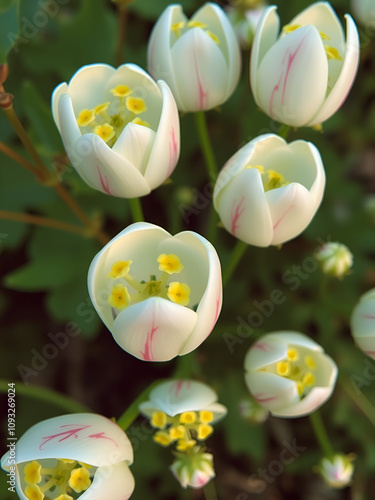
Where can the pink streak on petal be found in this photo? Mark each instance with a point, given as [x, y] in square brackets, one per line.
[105, 185]
[275, 89]
[177, 386]
[147, 354]
[203, 96]
[291, 57]
[263, 346]
[236, 214]
[101, 435]
[261, 399]
[66, 434]
[173, 153]
[282, 217]
[370, 353]
[368, 316]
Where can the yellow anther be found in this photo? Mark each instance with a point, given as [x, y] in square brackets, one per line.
[183, 444]
[64, 497]
[79, 479]
[85, 117]
[204, 430]
[188, 417]
[206, 416]
[310, 362]
[33, 492]
[32, 472]
[318, 127]
[169, 263]
[275, 180]
[120, 269]
[308, 379]
[324, 36]
[121, 91]
[119, 298]
[179, 293]
[177, 27]
[196, 24]
[289, 28]
[67, 461]
[292, 355]
[177, 432]
[106, 132]
[258, 167]
[162, 438]
[332, 53]
[283, 368]
[158, 419]
[136, 105]
[101, 108]
[300, 387]
[214, 37]
[138, 121]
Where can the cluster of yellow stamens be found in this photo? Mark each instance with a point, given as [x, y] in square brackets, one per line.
[176, 28]
[183, 430]
[126, 108]
[270, 178]
[58, 483]
[297, 366]
[177, 292]
[332, 52]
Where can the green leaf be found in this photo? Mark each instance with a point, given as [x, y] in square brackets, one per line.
[9, 27]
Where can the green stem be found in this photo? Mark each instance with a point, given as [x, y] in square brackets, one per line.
[204, 139]
[136, 210]
[46, 395]
[360, 400]
[210, 491]
[131, 413]
[235, 258]
[284, 131]
[321, 434]
[184, 367]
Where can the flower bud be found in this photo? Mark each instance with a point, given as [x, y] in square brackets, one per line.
[337, 471]
[194, 470]
[363, 323]
[335, 259]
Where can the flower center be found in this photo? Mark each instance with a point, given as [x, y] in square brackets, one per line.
[125, 108]
[332, 52]
[177, 28]
[270, 178]
[67, 478]
[120, 297]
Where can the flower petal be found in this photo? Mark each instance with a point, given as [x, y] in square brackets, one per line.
[272, 391]
[292, 77]
[154, 330]
[314, 400]
[85, 437]
[200, 70]
[166, 149]
[68, 126]
[115, 482]
[345, 80]
[56, 94]
[265, 36]
[219, 411]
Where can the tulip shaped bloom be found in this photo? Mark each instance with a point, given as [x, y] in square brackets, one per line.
[363, 323]
[159, 295]
[269, 191]
[303, 76]
[289, 374]
[198, 58]
[182, 411]
[120, 129]
[84, 452]
[364, 11]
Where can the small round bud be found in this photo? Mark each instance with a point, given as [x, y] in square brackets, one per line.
[337, 471]
[335, 259]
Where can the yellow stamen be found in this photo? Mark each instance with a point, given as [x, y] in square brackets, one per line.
[258, 167]
[289, 28]
[324, 36]
[206, 416]
[204, 430]
[308, 379]
[310, 362]
[106, 132]
[196, 24]
[33, 492]
[119, 298]
[121, 91]
[32, 472]
[136, 105]
[101, 108]
[275, 180]
[120, 269]
[188, 417]
[179, 293]
[64, 497]
[67, 461]
[332, 53]
[318, 127]
[300, 387]
[183, 444]
[283, 368]
[85, 117]
[169, 263]
[177, 27]
[138, 121]
[177, 432]
[292, 355]
[79, 479]
[214, 37]
[162, 438]
[159, 419]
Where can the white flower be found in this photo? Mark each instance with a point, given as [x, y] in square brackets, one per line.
[364, 11]
[194, 470]
[120, 129]
[303, 76]
[159, 295]
[245, 22]
[337, 471]
[363, 323]
[269, 191]
[83, 452]
[335, 259]
[198, 58]
[289, 374]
